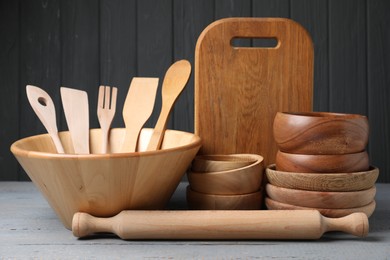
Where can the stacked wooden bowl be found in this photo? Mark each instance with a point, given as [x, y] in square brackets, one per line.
[225, 182]
[321, 163]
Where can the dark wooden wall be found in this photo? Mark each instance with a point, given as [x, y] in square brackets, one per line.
[84, 43]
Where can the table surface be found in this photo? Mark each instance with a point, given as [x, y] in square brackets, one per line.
[29, 228]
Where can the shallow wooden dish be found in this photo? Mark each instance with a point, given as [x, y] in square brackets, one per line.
[203, 201]
[243, 180]
[353, 181]
[354, 162]
[105, 184]
[320, 132]
[331, 213]
[217, 162]
[321, 199]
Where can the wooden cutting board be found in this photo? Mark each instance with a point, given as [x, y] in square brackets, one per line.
[238, 90]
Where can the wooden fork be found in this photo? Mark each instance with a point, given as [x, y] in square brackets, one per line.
[106, 111]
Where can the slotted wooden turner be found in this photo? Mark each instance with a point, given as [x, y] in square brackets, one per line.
[238, 90]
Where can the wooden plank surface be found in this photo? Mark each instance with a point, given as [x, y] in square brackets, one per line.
[313, 15]
[154, 45]
[347, 56]
[9, 87]
[30, 229]
[378, 88]
[187, 27]
[118, 48]
[39, 60]
[84, 43]
[80, 51]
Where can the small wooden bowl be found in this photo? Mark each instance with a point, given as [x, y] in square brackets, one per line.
[203, 201]
[320, 132]
[321, 199]
[217, 163]
[354, 162]
[331, 213]
[353, 181]
[243, 180]
[105, 184]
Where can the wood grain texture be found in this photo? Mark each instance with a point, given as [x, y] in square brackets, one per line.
[321, 199]
[9, 87]
[214, 224]
[378, 66]
[118, 47]
[331, 213]
[347, 56]
[354, 181]
[40, 53]
[314, 15]
[187, 27]
[105, 184]
[154, 45]
[234, 86]
[88, 43]
[80, 51]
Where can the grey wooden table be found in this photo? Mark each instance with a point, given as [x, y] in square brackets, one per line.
[30, 229]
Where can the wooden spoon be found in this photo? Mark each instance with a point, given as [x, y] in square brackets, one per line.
[137, 109]
[175, 80]
[75, 103]
[43, 106]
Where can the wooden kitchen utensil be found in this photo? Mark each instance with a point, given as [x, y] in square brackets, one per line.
[75, 103]
[238, 90]
[106, 111]
[43, 107]
[214, 224]
[175, 80]
[137, 109]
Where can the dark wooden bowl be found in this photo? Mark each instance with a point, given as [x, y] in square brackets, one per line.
[320, 132]
[307, 163]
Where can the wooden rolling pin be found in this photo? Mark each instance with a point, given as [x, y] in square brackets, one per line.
[219, 224]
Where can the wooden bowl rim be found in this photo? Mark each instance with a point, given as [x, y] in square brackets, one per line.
[313, 156]
[324, 115]
[17, 151]
[372, 168]
[329, 177]
[372, 203]
[224, 196]
[255, 163]
[314, 192]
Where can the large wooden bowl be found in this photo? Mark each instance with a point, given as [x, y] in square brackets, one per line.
[331, 213]
[354, 162]
[105, 184]
[320, 132]
[321, 199]
[352, 181]
[203, 201]
[242, 180]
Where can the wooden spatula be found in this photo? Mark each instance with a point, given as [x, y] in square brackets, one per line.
[75, 103]
[43, 106]
[137, 109]
[175, 80]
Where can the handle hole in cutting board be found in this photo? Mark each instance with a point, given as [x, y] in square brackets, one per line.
[254, 42]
